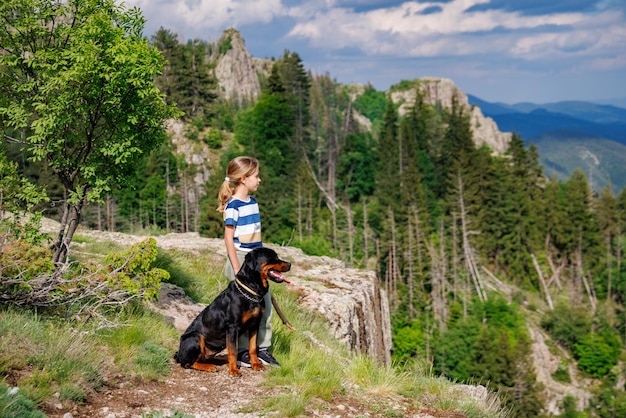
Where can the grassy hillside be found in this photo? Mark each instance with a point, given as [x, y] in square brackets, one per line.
[59, 364]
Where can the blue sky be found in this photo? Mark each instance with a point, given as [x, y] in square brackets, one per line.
[499, 50]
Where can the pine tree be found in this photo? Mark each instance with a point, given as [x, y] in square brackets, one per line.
[265, 131]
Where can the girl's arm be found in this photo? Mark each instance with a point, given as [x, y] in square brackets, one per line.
[229, 240]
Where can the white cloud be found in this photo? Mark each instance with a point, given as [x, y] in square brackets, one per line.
[405, 31]
[201, 16]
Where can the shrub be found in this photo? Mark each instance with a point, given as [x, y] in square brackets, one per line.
[24, 260]
[567, 332]
[132, 270]
[595, 356]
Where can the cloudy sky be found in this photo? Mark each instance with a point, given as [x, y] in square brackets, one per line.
[499, 50]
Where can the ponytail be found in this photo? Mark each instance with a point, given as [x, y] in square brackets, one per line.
[226, 192]
[237, 169]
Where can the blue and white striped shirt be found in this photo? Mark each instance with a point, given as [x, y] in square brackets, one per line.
[246, 219]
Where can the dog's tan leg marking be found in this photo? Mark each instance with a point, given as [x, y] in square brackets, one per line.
[232, 358]
[255, 363]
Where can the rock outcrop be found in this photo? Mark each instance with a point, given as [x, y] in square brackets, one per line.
[355, 306]
[238, 77]
[351, 300]
[441, 91]
[235, 69]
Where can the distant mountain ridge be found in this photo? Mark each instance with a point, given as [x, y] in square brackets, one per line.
[569, 135]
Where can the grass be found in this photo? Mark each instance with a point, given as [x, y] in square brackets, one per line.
[73, 360]
[14, 404]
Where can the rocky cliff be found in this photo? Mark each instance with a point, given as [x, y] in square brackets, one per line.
[440, 91]
[351, 300]
[238, 77]
[237, 73]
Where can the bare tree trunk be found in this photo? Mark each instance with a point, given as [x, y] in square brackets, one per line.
[419, 239]
[69, 223]
[299, 189]
[608, 267]
[556, 271]
[618, 248]
[186, 195]
[468, 251]
[443, 308]
[365, 232]
[99, 216]
[438, 278]
[410, 277]
[581, 274]
[348, 210]
[542, 281]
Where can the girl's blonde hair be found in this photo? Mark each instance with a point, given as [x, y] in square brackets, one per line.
[237, 169]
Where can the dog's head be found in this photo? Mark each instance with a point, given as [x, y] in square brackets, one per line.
[264, 262]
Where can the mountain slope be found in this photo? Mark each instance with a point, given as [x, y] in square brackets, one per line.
[569, 135]
[602, 160]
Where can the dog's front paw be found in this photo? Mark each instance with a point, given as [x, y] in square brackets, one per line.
[234, 372]
[257, 366]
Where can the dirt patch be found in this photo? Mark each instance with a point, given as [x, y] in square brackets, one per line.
[192, 392]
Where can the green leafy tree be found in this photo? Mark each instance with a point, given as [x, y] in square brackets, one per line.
[77, 78]
[18, 196]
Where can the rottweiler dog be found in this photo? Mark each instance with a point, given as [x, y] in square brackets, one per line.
[237, 309]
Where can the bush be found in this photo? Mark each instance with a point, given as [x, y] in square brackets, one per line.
[132, 270]
[408, 342]
[567, 332]
[214, 139]
[315, 246]
[24, 260]
[595, 356]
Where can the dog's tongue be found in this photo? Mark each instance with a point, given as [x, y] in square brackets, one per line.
[278, 275]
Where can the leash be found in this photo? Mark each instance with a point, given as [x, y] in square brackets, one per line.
[239, 286]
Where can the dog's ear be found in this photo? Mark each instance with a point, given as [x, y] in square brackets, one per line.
[249, 265]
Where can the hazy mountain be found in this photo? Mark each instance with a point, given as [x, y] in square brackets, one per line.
[569, 135]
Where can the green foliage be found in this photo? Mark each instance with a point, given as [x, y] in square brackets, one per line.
[85, 99]
[409, 342]
[315, 246]
[24, 260]
[18, 198]
[132, 270]
[570, 332]
[16, 192]
[214, 139]
[371, 104]
[609, 401]
[453, 349]
[225, 46]
[186, 80]
[562, 373]
[595, 356]
[14, 404]
[569, 408]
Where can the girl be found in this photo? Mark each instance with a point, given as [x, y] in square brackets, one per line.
[242, 233]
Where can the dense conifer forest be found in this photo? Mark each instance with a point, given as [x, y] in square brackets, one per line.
[438, 218]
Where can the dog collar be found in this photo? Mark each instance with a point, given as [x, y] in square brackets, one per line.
[239, 285]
